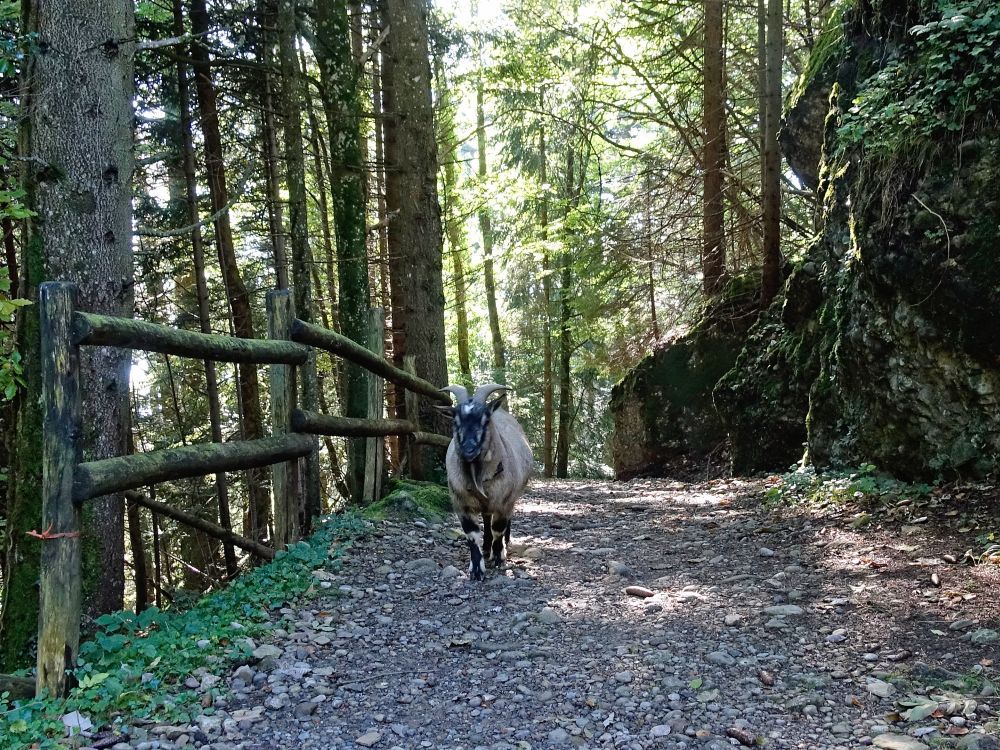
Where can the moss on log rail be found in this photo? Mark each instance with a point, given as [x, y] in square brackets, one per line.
[103, 330]
[431, 438]
[323, 424]
[212, 529]
[320, 337]
[96, 478]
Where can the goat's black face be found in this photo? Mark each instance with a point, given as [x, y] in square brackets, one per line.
[471, 422]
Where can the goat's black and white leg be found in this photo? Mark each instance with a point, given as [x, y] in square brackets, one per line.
[477, 565]
[487, 538]
[499, 527]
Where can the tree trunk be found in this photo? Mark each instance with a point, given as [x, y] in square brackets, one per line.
[548, 395]
[272, 166]
[453, 220]
[347, 190]
[293, 98]
[259, 509]
[565, 334]
[415, 235]
[79, 178]
[486, 228]
[713, 259]
[771, 271]
[201, 284]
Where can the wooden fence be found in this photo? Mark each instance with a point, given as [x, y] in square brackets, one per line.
[67, 483]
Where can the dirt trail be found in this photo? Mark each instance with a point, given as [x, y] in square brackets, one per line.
[752, 628]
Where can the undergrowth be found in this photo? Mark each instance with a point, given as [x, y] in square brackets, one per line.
[136, 665]
[862, 485]
[944, 80]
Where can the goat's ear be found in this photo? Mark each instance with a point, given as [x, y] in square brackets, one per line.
[448, 411]
[495, 403]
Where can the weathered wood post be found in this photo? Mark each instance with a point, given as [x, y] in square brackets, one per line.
[59, 606]
[412, 404]
[311, 495]
[374, 446]
[286, 499]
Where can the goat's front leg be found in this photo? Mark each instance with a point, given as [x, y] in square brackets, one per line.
[477, 566]
[499, 527]
[487, 538]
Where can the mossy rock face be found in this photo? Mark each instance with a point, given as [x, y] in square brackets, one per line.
[887, 344]
[665, 420]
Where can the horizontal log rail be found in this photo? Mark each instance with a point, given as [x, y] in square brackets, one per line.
[212, 529]
[323, 338]
[104, 330]
[324, 424]
[431, 438]
[96, 478]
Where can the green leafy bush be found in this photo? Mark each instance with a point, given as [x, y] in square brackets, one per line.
[863, 484]
[945, 79]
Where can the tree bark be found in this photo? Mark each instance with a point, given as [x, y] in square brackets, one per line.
[453, 220]
[347, 190]
[486, 228]
[415, 237]
[259, 509]
[713, 259]
[201, 284]
[771, 270]
[78, 141]
[548, 391]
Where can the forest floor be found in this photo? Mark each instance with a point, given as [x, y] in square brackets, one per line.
[751, 624]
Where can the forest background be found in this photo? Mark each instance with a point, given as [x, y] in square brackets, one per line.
[538, 194]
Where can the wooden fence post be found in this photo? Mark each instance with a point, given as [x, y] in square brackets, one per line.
[286, 501]
[59, 606]
[312, 497]
[375, 446]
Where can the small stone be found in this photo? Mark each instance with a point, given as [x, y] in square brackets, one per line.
[837, 636]
[660, 730]
[368, 739]
[262, 652]
[619, 569]
[733, 620]
[983, 636]
[450, 571]
[784, 610]
[549, 616]
[721, 658]
[639, 591]
[898, 742]
[623, 677]
[962, 624]
[305, 710]
[880, 688]
[765, 552]
[558, 736]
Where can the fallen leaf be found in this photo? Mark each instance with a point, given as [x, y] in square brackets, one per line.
[766, 678]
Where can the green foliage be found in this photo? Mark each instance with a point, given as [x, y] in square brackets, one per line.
[836, 488]
[135, 665]
[944, 81]
[11, 368]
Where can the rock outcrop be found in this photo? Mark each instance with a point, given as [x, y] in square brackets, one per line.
[886, 347]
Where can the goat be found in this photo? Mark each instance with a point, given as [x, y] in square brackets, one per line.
[488, 464]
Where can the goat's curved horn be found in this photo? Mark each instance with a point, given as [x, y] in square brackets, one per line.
[458, 391]
[483, 392]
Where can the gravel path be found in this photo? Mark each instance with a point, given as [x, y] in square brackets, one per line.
[643, 615]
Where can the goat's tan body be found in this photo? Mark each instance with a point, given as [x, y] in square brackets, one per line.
[503, 470]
